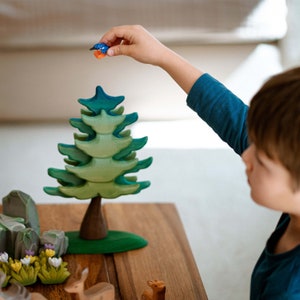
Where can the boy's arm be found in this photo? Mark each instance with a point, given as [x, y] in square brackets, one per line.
[224, 112]
[216, 105]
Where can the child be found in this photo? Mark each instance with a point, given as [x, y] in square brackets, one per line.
[266, 135]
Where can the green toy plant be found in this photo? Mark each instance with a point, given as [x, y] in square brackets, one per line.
[53, 269]
[101, 161]
[47, 267]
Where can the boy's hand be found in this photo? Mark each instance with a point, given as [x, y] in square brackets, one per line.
[136, 42]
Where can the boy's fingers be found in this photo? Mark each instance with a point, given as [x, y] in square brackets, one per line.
[118, 34]
[115, 35]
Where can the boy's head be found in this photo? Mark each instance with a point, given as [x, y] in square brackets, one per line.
[274, 121]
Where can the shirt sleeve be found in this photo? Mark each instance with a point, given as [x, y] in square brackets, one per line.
[224, 112]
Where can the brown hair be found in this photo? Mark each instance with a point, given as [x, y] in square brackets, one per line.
[274, 121]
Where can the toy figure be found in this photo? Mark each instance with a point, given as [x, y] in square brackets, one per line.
[158, 290]
[100, 50]
[101, 290]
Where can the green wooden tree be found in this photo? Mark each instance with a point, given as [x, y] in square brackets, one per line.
[101, 161]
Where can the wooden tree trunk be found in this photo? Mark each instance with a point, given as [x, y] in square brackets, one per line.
[93, 226]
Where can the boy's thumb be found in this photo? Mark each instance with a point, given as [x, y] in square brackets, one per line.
[117, 50]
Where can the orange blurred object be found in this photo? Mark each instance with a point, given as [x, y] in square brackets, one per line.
[98, 54]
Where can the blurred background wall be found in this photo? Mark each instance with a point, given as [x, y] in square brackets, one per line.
[46, 65]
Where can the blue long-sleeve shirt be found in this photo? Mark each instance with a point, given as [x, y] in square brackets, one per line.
[275, 276]
[221, 110]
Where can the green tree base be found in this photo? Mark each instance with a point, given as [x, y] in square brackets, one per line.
[114, 242]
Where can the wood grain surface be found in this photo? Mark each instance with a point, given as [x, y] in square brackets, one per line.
[167, 257]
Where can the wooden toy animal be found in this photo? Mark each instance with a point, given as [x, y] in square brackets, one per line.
[99, 291]
[17, 291]
[158, 290]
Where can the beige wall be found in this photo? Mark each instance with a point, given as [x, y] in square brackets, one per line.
[45, 84]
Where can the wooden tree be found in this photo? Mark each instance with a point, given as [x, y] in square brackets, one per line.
[101, 160]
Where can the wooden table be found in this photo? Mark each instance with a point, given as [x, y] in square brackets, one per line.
[168, 256]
